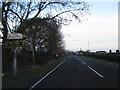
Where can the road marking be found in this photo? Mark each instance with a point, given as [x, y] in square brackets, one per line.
[83, 62]
[46, 75]
[79, 59]
[76, 57]
[96, 72]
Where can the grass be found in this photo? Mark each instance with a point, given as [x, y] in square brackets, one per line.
[28, 74]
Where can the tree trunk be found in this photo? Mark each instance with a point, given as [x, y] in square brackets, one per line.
[4, 50]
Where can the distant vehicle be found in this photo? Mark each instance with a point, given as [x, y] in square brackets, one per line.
[101, 52]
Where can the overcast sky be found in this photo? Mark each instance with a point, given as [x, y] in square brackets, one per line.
[100, 29]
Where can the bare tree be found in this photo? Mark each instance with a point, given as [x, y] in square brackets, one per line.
[15, 14]
[55, 38]
[44, 34]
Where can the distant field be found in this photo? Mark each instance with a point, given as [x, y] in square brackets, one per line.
[114, 58]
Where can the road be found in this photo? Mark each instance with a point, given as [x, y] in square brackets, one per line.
[81, 72]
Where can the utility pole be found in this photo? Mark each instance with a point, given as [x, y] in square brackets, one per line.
[88, 46]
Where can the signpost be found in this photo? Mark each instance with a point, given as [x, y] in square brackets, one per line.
[14, 36]
[14, 41]
[13, 44]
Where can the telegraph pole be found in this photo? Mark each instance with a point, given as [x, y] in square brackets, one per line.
[88, 46]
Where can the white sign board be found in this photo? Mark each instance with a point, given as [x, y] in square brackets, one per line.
[14, 36]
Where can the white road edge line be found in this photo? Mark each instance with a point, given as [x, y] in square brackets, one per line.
[46, 75]
[96, 72]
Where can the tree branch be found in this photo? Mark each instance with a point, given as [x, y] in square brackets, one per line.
[28, 12]
[39, 10]
[15, 13]
[42, 7]
[64, 12]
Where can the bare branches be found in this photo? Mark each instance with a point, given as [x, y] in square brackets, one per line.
[28, 11]
[64, 12]
[15, 13]
[42, 6]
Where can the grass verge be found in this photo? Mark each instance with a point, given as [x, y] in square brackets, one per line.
[26, 76]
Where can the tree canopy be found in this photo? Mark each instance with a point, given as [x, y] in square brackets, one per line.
[15, 13]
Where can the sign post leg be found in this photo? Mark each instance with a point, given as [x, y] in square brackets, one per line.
[15, 62]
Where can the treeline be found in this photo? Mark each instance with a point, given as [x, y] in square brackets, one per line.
[44, 37]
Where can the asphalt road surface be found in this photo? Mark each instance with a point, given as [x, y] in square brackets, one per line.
[81, 72]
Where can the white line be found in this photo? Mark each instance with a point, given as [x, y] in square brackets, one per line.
[77, 58]
[80, 60]
[96, 72]
[83, 62]
[46, 75]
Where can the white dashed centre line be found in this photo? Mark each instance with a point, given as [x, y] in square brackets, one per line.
[80, 60]
[96, 72]
[91, 68]
[83, 62]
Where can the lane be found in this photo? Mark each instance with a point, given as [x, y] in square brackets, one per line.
[73, 73]
[111, 72]
[46, 75]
